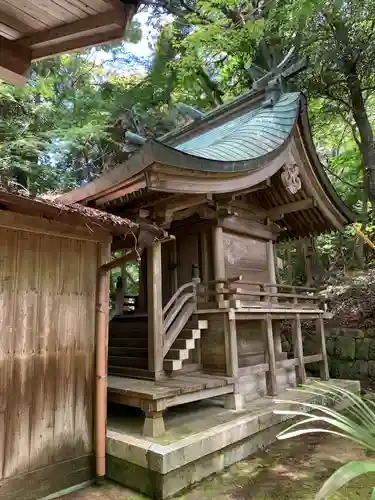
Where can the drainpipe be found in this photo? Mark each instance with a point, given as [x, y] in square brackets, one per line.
[101, 373]
[102, 316]
[102, 309]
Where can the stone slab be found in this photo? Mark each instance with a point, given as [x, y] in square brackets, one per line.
[162, 470]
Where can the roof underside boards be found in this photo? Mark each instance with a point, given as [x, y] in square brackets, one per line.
[252, 135]
[36, 29]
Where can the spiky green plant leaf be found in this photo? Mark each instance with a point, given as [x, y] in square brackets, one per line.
[343, 475]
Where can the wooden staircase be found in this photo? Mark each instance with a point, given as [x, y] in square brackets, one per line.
[128, 346]
[182, 346]
[128, 336]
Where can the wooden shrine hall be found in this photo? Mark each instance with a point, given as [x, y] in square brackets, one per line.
[206, 321]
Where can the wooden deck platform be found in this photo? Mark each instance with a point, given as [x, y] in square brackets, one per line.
[155, 397]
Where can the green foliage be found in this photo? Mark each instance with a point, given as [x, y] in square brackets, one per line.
[356, 424]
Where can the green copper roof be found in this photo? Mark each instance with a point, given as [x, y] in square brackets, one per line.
[249, 136]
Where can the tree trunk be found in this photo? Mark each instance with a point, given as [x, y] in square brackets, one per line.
[362, 121]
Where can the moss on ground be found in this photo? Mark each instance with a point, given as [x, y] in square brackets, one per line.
[288, 470]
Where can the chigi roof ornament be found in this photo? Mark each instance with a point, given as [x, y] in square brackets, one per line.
[274, 79]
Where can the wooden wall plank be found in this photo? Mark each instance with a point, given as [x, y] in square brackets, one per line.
[43, 404]
[46, 481]
[246, 256]
[47, 321]
[85, 353]
[9, 254]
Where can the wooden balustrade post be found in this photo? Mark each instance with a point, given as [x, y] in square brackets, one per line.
[271, 374]
[298, 350]
[155, 311]
[324, 369]
[119, 297]
[195, 279]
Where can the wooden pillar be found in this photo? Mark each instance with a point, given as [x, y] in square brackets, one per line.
[119, 297]
[271, 262]
[143, 281]
[277, 339]
[271, 374]
[219, 260]
[174, 276]
[232, 401]
[298, 350]
[124, 276]
[271, 268]
[154, 424]
[324, 369]
[155, 310]
[205, 257]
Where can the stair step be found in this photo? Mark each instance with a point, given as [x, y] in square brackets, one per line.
[132, 352]
[201, 324]
[125, 371]
[177, 354]
[128, 361]
[128, 342]
[124, 333]
[183, 344]
[130, 319]
[190, 333]
[171, 365]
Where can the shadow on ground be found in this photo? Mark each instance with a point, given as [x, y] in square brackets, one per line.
[288, 470]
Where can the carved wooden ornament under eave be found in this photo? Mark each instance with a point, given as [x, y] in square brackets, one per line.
[290, 178]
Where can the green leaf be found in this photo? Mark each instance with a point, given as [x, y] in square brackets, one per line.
[342, 476]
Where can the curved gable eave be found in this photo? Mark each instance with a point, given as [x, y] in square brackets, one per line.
[329, 194]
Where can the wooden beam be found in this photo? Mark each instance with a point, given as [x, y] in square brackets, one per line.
[155, 310]
[241, 226]
[106, 21]
[128, 255]
[168, 210]
[278, 213]
[78, 43]
[298, 350]
[42, 225]
[15, 61]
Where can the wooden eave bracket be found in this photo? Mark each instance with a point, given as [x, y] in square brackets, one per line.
[279, 212]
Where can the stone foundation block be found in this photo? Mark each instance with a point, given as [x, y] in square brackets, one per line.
[345, 348]
[362, 347]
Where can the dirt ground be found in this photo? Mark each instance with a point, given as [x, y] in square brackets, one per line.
[288, 470]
